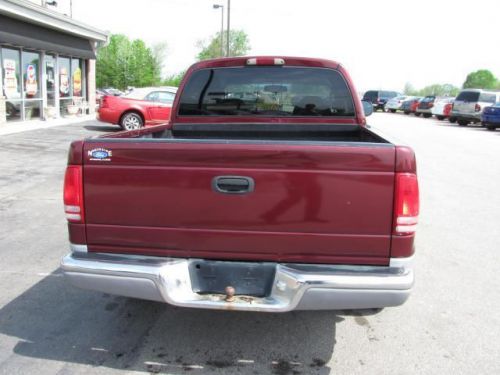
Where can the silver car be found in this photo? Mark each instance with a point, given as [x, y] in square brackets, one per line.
[395, 104]
[470, 103]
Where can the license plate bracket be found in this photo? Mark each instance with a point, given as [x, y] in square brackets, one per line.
[247, 278]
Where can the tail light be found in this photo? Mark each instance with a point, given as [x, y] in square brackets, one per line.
[430, 105]
[265, 61]
[447, 109]
[73, 194]
[103, 103]
[406, 204]
[477, 108]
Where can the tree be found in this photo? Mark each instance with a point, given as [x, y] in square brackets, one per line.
[174, 79]
[480, 79]
[439, 90]
[239, 45]
[124, 63]
[409, 89]
[434, 89]
[159, 51]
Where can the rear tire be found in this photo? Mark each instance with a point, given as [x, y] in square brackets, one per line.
[417, 114]
[392, 110]
[463, 122]
[407, 112]
[131, 121]
[440, 118]
[427, 115]
[10, 110]
[452, 120]
[490, 127]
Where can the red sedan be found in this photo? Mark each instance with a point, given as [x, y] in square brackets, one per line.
[141, 107]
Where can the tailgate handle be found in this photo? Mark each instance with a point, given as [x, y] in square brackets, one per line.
[233, 184]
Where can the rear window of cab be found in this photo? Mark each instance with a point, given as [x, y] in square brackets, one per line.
[266, 91]
[468, 96]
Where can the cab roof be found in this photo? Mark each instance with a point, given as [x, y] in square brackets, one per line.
[288, 61]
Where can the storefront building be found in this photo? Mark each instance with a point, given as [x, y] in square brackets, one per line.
[47, 63]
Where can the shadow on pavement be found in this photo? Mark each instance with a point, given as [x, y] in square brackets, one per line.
[54, 321]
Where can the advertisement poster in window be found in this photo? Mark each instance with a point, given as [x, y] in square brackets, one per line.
[77, 82]
[10, 79]
[63, 81]
[31, 84]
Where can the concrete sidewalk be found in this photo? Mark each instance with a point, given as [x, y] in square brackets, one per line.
[18, 127]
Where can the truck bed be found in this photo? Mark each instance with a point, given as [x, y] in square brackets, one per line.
[270, 132]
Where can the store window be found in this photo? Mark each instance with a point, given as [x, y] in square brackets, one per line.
[71, 86]
[35, 84]
[31, 85]
[11, 75]
[77, 77]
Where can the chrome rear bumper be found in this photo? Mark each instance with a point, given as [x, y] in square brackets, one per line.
[296, 286]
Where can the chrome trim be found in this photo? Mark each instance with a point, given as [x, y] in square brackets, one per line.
[402, 263]
[78, 248]
[296, 286]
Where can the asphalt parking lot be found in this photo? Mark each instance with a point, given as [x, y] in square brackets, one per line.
[450, 325]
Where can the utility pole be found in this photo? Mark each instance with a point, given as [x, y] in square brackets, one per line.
[228, 26]
[217, 6]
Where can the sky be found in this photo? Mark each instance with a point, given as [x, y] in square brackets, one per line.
[383, 44]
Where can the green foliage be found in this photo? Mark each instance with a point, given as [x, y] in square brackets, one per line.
[481, 79]
[173, 80]
[410, 89]
[435, 89]
[124, 63]
[239, 45]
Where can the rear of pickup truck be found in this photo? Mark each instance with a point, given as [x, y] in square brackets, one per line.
[266, 192]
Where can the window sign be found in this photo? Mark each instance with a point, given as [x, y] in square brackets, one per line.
[63, 81]
[31, 84]
[10, 83]
[77, 82]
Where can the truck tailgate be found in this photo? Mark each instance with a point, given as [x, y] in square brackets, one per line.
[324, 203]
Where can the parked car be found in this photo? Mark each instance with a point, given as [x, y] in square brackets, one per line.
[99, 94]
[396, 103]
[424, 107]
[442, 107]
[491, 116]
[283, 200]
[410, 105]
[379, 98]
[469, 104]
[141, 107]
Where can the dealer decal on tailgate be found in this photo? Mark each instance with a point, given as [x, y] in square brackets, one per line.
[100, 154]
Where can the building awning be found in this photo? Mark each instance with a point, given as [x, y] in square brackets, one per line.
[26, 35]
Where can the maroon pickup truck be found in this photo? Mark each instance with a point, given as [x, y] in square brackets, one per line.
[266, 191]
